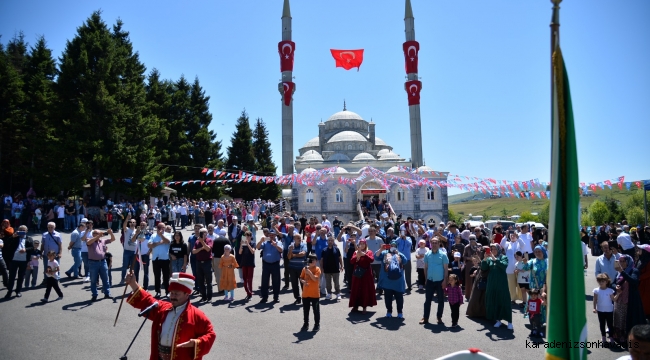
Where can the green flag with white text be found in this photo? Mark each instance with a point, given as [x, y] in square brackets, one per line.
[567, 320]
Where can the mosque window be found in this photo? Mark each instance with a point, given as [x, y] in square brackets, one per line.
[401, 196]
[430, 195]
[349, 147]
[339, 195]
[338, 148]
[309, 196]
[347, 124]
[360, 147]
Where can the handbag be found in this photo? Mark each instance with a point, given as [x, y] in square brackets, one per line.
[359, 271]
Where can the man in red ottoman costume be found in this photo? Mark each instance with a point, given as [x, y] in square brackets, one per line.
[179, 331]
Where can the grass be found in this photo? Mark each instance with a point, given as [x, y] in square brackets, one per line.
[514, 206]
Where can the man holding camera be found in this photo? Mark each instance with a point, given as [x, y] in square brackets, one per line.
[97, 262]
[159, 245]
[348, 236]
[272, 252]
[203, 251]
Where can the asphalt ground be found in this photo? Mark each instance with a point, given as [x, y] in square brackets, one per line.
[76, 328]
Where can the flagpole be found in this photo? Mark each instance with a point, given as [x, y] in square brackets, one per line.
[555, 38]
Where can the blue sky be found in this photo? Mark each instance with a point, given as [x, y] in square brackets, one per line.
[484, 65]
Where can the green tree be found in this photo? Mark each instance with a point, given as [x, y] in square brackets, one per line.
[527, 216]
[453, 216]
[504, 213]
[636, 200]
[264, 161]
[615, 211]
[11, 113]
[634, 216]
[598, 212]
[544, 215]
[241, 157]
[104, 109]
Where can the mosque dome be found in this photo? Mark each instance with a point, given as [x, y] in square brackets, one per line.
[382, 152]
[338, 157]
[425, 168]
[308, 170]
[394, 169]
[347, 136]
[340, 170]
[380, 142]
[311, 155]
[312, 143]
[389, 155]
[345, 115]
[364, 156]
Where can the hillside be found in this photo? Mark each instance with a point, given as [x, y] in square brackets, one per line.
[514, 206]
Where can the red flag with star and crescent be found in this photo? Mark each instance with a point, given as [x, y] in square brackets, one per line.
[348, 59]
[286, 49]
[288, 87]
[413, 88]
[411, 49]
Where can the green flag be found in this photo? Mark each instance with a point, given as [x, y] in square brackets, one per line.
[567, 320]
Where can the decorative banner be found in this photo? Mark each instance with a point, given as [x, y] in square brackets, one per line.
[411, 49]
[413, 88]
[286, 49]
[288, 87]
[348, 59]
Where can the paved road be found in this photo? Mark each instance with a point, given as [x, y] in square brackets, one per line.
[76, 329]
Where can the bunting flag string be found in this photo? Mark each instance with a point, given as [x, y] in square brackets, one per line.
[407, 177]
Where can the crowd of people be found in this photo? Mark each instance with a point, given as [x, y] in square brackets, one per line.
[493, 270]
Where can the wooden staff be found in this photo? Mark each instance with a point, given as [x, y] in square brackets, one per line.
[131, 267]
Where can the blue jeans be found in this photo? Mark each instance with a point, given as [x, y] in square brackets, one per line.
[337, 231]
[388, 300]
[145, 271]
[33, 274]
[270, 270]
[69, 222]
[84, 260]
[99, 269]
[431, 287]
[177, 265]
[76, 255]
[127, 259]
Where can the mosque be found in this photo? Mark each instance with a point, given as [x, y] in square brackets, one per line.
[348, 142]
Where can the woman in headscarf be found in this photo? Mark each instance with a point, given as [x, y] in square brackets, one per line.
[465, 235]
[643, 265]
[476, 304]
[393, 287]
[471, 250]
[538, 268]
[6, 233]
[628, 308]
[497, 296]
[362, 292]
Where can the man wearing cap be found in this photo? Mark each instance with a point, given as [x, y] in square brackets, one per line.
[75, 248]
[234, 230]
[179, 331]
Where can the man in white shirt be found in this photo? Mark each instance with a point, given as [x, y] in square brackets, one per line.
[220, 230]
[183, 211]
[60, 216]
[528, 239]
[326, 223]
[625, 241]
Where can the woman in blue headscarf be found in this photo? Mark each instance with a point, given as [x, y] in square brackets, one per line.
[538, 268]
[628, 307]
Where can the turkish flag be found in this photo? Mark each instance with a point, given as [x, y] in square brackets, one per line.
[288, 92]
[411, 49]
[413, 88]
[348, 59]
[286, 49]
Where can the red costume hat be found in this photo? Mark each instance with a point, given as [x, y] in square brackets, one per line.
[181, 282]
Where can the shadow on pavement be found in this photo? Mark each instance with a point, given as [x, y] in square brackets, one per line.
[391, 324]
[260, 307]
[437, 328]
[494, 334]
[77, 306]
[290, 307]
[237, 303]
[303, 336]
[359, 317]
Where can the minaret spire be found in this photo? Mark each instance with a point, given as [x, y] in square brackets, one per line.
[286, 9]
[344, 109]
[286, 49]
[413, 86]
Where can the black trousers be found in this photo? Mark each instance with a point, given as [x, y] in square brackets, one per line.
[161, 267]
[16, 269]
[51, 282]
[421, 278]
[605, 317]
[315, 305]
[348, 271]
[294, 274]
[285, 264]
[4, 273]
[454, 312]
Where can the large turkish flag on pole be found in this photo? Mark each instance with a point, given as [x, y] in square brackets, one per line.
[286, 49]
[348, 59]
[288, 87]
[411, 49]
[413, 88]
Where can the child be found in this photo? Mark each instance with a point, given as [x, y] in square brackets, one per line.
[457, 267]
[535, 312]
[310, 278]
[52, 277]
[523, 277]
[227, 280]
[419, 256]
[109, 219]
[455, 295]
[35, 221]
[32, 266]
[604, 304]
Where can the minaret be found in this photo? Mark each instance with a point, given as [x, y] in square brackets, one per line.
[414, 110]
[287, 110]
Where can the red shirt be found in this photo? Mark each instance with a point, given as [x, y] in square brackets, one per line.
[310, 229]
[203, 255]
[534, 306]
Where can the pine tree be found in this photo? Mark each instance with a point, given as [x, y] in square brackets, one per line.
[11, 112]
[103, 108]
[264, 161]
[241, 157]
